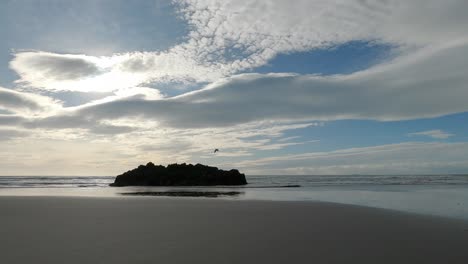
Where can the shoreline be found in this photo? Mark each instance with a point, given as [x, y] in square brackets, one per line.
[182, 230]
[443, 201]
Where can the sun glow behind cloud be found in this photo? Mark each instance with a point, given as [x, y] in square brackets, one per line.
[70, 72]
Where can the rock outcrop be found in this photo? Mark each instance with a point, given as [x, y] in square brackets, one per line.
[179, 175]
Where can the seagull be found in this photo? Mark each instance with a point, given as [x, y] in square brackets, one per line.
[216, 150]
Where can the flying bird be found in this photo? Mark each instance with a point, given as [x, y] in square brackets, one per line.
[216, 150]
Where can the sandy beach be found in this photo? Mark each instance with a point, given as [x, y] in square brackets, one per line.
[182, 230]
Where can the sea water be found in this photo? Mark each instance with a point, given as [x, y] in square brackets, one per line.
[441, 195]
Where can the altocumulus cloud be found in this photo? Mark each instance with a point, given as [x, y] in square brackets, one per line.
[228, 37]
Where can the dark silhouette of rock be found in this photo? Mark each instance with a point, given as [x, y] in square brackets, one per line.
[179, 175]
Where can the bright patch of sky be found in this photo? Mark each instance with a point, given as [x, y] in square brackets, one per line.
[321, 86]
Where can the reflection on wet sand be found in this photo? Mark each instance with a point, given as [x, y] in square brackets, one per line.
[184, 194]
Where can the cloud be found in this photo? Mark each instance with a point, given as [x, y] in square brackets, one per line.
[402, 158]
[234, 36]
[138, 93]
[10, 120]
[248, 33]
[311, 23]
[245, 115]
[429, 83]
[7, 134]
[438, 134]
[10, 99]
[26, 103]
[111, 153]
[70, 72]
[82, 73]
[68, 121]
[31, 111]
[55, 66]
[26, 156]
[56, 72]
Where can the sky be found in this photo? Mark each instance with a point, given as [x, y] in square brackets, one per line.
[97, 87]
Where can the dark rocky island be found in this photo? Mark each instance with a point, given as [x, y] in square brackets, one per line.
[179, 175]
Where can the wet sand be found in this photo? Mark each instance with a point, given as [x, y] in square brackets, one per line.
[193, 230]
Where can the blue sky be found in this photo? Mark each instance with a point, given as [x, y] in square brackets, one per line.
[315, 88]
[339, 59]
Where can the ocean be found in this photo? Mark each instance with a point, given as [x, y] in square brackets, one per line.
[440, 195]
[258, 181]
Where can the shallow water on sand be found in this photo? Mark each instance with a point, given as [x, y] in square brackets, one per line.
[442, 195]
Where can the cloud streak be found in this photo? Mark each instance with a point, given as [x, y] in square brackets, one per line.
[437, 134]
